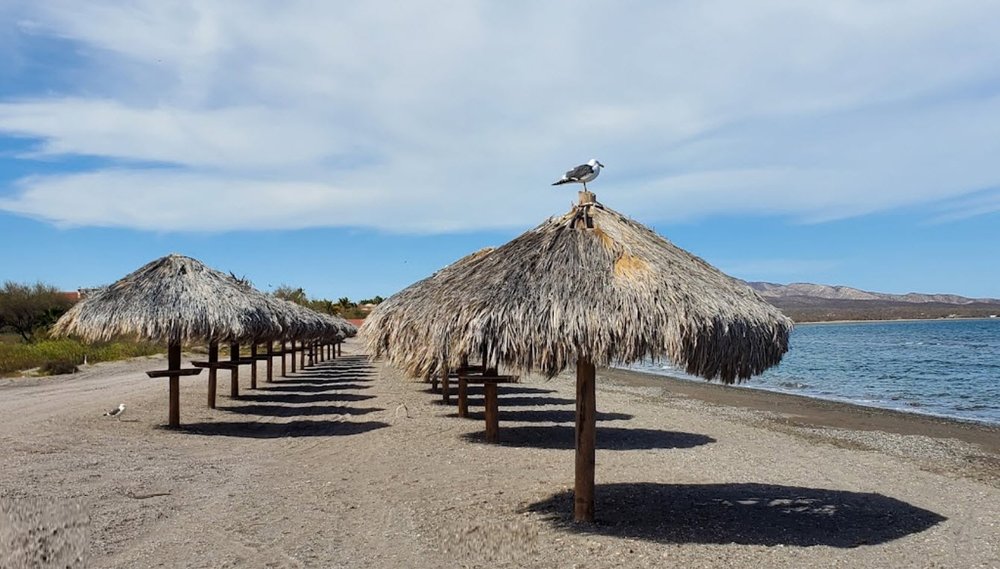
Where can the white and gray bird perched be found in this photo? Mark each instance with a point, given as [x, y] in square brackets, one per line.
[581, 174]
[116, 412]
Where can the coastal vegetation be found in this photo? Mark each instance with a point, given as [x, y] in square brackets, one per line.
[343, 307]
[27, 311]
[64, 355]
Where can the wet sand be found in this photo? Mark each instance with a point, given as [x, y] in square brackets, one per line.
[798, 410]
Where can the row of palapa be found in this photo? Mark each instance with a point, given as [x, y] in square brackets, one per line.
[590, 288]
[178, 300]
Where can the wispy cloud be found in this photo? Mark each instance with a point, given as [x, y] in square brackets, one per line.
[980, 203]
[454, 116]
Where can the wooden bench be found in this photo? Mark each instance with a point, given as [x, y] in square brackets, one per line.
[233, 365]
[446, 384]
[490, 401]
[172, 372]
[216, 365]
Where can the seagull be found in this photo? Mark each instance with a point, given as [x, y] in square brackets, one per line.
[116, 412]
[581, 174]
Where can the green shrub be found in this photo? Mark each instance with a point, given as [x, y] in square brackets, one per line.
[58, 367]
[18, 356]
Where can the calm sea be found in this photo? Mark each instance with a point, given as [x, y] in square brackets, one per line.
[939, 367]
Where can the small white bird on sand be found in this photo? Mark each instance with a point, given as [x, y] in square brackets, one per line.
[581, 174]
[117, 412]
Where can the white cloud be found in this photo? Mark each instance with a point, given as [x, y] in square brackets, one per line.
[234, 137]
[416, 116]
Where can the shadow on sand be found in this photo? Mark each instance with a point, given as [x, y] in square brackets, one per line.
[745, 514]
[506, 389]
[608, 438]
[505, 402]
[312, 410]
[317, 387]
[547, 416]
[321, 380]
[263, 396]
[333, 373]
[303, 428]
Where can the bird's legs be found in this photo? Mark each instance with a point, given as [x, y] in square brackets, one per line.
[585, 187]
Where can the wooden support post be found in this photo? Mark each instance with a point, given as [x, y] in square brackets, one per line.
[253, 365]
[270, 361]
[234, 382]
[293, 356]
[284, 355]
[213, 358]
[302, 357]
[492, 412]
[340, 351]
[463, 395]
[586, 438]
[174, 363]
[445, 386]
[434, 383]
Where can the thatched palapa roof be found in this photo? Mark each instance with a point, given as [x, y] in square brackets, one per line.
[173, 299]
[593, 284]
[338, 328]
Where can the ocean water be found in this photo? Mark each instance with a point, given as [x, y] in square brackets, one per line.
[940, 367]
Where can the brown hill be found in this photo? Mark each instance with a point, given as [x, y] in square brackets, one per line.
[806, 302]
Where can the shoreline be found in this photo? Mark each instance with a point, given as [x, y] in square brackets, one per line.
[832, 399]
[883, 320]
[808, 412]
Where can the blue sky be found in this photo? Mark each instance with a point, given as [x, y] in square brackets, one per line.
[353, 148]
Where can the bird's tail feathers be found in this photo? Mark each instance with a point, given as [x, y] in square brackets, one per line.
[561, 182]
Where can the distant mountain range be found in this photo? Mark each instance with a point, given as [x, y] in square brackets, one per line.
[807, 302]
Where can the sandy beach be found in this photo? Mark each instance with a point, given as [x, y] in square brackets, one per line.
[349, 465]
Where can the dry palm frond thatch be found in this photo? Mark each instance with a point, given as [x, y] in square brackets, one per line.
[337, 328]
[591, 284]
[173, 299]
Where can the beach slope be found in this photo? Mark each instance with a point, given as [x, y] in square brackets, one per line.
[348, 465]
